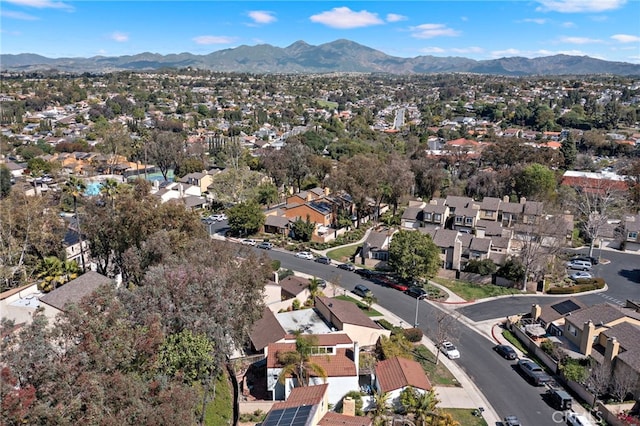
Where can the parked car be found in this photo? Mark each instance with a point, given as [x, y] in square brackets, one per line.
[304, 255]
[216, 217]
[365, 273]
[347, 266]
[322, 283]
[415, 291]
[581, 265]
[449, 350]
[506, 351]
[397, 285]
[361, 290]
[559, 399]
[533, 372]
[249, 242]
[580, 275]
[222, 217]
[324, 260]
[511, 421]
[574, 419]
[590, 259]
[265, 245]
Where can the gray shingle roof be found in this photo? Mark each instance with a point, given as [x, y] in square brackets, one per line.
[347, 312]
[75, 290]
[490, 203]
[266, 330]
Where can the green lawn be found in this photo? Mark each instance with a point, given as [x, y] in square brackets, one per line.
[438, 374]
[343, 254]
[220, 410]
[369, 312]
[465, 417]
[327, 104]
[469, 291]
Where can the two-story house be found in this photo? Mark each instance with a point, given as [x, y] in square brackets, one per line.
[631, 232]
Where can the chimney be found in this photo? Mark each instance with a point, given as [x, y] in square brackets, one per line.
[536, 310]
[586, 340]
[349, 407]
[523, 200]
[505, 199]
[327, 191]
[612, 349]
[276, 277]
[480, 233]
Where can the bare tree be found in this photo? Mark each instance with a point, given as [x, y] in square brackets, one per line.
[622, 385]
[595, 201]
[598, 380]
[445, 324]
[165, 149]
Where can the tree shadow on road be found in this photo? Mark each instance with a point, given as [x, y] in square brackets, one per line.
[630, 274]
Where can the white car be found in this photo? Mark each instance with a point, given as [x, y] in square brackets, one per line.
[449, 350]
[578, 420]
[249, 242]
[304, 255]
[581, 274]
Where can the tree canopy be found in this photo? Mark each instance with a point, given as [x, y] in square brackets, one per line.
[413, 255]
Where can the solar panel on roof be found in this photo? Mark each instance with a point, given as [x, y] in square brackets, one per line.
[294, 416]
[565, 307]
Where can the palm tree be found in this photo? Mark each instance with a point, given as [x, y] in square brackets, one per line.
[425, 407]
[76, 187]
[381, 406]
[54, 272]
[110, 188]
[298, 363]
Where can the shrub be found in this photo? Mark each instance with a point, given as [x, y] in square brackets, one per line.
[388, 326]
[482, 267]
[413, 334]
[275, 265]
[581, 286]
[513, 270]
[284, 274]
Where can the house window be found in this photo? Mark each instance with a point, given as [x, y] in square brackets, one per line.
[489, 213]
[468, 220]
[322, 350]
[437, 217]
[443, 251]
[572, 330]
[633, 235]
[458, 219]
[427, 216]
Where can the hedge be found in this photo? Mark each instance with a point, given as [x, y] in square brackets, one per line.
[581, 286]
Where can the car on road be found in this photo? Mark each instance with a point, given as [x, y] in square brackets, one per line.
[559, 399]
[506, 351]
[216, 217]
[365, 273]
[511, 421]
[533, 372]
[265, 245]
[591, 259]
[304, 255]
[580, 275]
[248, 242]
[417, 292]
[324, 260]
[580, 265]
[390, 282]
[361, 290]
[574, 419]
[449, 350]
[347, 266]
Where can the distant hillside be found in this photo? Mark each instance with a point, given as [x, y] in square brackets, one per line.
[337, 56]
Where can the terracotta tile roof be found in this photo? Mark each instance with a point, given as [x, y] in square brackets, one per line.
[306, 395]
[347, 312]
[75, 290]
[294, 285]
[266, 330]
[397, 372]
[336, 419]
[339, 364]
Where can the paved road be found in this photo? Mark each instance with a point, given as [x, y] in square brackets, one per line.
[621, 273]
[503, 387]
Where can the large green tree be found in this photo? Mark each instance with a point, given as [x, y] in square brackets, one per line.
[535, 181]
[5, 181]
[413, 255]
[245, 218]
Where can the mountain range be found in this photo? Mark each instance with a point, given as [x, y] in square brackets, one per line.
[337, 56]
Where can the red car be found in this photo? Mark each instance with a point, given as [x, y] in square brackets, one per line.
[398, 286]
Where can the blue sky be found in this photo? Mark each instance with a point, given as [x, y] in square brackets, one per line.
[605, 29]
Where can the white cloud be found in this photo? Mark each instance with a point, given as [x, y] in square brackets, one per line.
[18, 15]
[506, 52]
[626, 38]
[433, 30]
[538, 21]
[209, 39]
[464, 18]
[471, 49]
[42, 4]
[119, 37]
[579, 40]
[568, 24]
[432, 50]
[577, 6]
[394, 17]
[262, 17]
[345, 18]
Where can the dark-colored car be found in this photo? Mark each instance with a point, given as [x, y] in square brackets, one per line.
[415, 291]
[365, 273]
[361, 290]
[533, 372]
[559, 399]
[511, 421]
[506, 351]
[265, 245]
[324, 260]
[347, 266]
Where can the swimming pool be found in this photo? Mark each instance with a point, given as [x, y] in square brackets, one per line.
[93, 188]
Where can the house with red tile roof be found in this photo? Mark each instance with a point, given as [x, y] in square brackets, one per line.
[337, 354]
[395, 374]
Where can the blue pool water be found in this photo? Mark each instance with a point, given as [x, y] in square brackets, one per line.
[93, 188]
